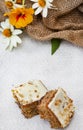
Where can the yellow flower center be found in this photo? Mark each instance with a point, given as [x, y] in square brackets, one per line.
[9, 4]
[42, 3]
[7, 32]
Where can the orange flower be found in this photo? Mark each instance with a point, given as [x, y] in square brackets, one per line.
[20, 17]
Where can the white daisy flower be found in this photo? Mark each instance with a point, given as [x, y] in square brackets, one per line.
[42, 6]
[14, 3]
[10, 35]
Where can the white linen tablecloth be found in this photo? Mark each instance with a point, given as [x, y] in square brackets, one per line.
[33, 60]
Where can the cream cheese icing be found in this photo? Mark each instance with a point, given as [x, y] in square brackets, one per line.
[29, 92]
[62, 107]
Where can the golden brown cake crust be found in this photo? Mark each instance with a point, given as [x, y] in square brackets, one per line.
[30, 110]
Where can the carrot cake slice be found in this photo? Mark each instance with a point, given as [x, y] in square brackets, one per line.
[28, 96]
[57, 108]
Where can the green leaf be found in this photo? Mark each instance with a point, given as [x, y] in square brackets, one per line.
[55, 45]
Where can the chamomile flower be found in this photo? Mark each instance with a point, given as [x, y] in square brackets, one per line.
[42, 6]
[12, 4]
[10, 35]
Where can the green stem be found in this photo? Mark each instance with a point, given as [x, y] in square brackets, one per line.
[23, 2]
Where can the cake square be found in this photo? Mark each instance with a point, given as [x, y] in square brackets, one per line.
[28, 96]
[57, 108]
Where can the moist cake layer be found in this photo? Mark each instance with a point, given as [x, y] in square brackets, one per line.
[62, 107]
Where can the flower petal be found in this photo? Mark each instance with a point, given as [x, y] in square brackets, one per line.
[17, 39]
[1, 30]
[34, 6]
[10, 47]
[34, 0]
[38, 10]
[17, 32]
[49, 5]
[11, 28]
[18, 6]
[7, 42]
[7, 45]
[5, 24]
[45, 12]
[50, 1]
[13, 42]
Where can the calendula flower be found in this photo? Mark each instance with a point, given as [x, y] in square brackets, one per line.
[42, 6]
[10, 35]
[20, 17]
[12, 4]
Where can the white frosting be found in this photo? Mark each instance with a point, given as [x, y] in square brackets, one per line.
[29, 92]
[62, 107]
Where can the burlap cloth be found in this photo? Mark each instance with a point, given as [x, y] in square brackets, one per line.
[65, 23]
[81, 8]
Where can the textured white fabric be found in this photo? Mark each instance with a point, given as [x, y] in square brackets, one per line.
[32, 60]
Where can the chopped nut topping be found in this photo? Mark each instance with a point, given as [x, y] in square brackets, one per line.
[58, 102]
[30, 83]
[21, 85]
[22, 96]
[37, 96]
[35, 91]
